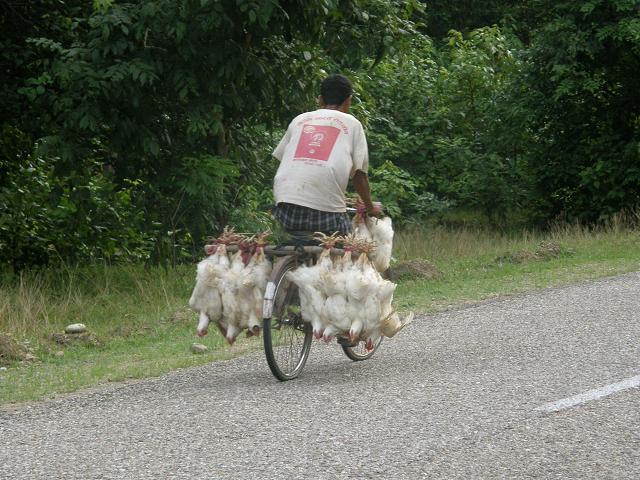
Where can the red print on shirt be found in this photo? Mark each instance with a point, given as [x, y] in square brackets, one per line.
[316, 142]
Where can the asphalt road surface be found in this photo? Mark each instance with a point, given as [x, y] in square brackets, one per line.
[544, 385]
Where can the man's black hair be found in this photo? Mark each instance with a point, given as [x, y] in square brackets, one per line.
[335, 89]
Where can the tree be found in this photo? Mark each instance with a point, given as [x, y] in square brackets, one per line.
[447, 116]
[182, 96]
[582, 85]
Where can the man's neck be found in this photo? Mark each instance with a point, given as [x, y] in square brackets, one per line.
[339, 108]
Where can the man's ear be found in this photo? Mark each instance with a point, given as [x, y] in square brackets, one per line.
[321, 101]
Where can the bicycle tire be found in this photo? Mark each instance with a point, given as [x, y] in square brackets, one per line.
[287, 338]
[359, 352]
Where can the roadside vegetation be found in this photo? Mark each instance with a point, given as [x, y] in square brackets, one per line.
[504, 140]
[139, 323]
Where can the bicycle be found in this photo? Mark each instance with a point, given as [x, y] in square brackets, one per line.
[286, 336]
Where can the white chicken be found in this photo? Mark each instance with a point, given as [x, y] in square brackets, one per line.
[358, 288]
[356, 314]
[312, 288]
[311, 298]
[220, 268]
[246, 301]
[348, 279]
[256, 278]
[385, 295]
[231, 303]
[357, 284]
[360, 228]
[368, 314]
[205, 298]
[335, 311]
[390, 323]
[382, 234]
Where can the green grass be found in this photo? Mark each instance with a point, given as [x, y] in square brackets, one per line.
[473, 264]
[138, 316]
[143, 327]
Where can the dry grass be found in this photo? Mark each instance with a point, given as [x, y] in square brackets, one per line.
[140, 324]
[442, 244]
[36, 304]
[479, 263]
[10, 350]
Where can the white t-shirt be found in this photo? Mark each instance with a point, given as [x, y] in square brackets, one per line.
[319, 153]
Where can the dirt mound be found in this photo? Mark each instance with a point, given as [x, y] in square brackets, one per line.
[85, 338]
[544, 251]
[11, 350]
[414, 269]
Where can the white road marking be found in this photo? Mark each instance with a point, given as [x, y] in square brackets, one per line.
[595, 394]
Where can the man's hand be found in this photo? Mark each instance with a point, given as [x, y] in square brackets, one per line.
[375, 210]
[361, 186]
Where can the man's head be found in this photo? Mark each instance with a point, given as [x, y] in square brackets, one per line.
[336, 91]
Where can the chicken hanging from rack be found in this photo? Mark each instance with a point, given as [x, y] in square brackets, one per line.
[311, 286]
[359, 223]
[248, 318]
[226, 288]
[391, 323]
[307, 279]
[332, 285]
[206, 298]
[362, 291]
[254, 283]
[381, 231]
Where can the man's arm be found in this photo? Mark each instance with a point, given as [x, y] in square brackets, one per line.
[361, 185]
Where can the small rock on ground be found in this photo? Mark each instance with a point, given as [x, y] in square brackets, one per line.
[84, 338]
[198, 348]
[76, 328]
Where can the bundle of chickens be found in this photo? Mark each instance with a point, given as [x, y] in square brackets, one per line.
[340, 296]
[229, 287]
[376, 230]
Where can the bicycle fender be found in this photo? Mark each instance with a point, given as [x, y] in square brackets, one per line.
[267, 304]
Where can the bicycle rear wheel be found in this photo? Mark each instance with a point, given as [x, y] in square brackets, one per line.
[287, 338]
[359, 352]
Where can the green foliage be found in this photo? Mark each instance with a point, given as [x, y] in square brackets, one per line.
[463, 15]
[582, 79]
[482, 162]
[184, 96]
[251, 211]
[403, 195]
[137, 129]
[45, 217]
[394, 187]
[451, 129]
[203, 184]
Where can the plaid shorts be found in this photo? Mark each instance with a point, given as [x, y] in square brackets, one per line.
[298, 218]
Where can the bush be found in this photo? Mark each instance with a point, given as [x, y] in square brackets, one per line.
[77, 216]
[403, 195]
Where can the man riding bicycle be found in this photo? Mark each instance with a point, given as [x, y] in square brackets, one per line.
[318, 154]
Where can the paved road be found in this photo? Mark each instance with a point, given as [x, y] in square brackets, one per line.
[456, 395]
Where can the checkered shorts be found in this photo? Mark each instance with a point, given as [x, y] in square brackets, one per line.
[298, 218]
